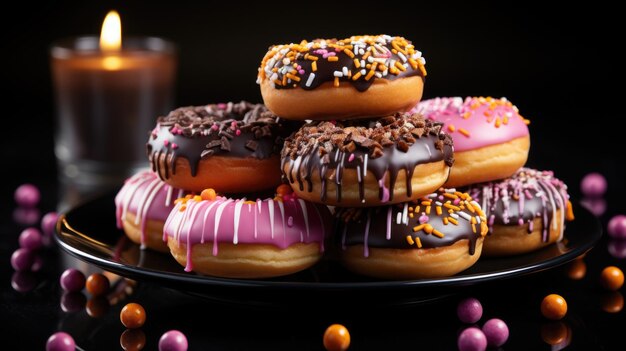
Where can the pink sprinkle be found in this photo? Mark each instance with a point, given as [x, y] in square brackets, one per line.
[174, 146]
[456, 201]
[301, 71]
[290, 221]
[320, 51]
[351, 158]
[214, 127]
[440, 197]
[328, 54]
[423, 218]
[165, 142]
[238, 132]
[233, 125]
[221, 106]
[520, 221]
[337, 49]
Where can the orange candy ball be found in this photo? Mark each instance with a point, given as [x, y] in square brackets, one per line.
[208, 194]
[98, 284]
[612, 278]
[133, 316]
[336, 338]
[553, 307]
[284, 189]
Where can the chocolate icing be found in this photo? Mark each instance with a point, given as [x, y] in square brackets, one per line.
[382, 146]
[230, 130]
[389, 226]
[536, 193]
[291, 66]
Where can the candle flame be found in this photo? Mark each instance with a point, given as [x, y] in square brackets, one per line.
[111, 35]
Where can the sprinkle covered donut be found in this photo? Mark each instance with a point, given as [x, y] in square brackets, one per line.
[437, 235]
[357, 77]
[491, 139]
[142, 206]
[525, 212]
[231, 147]
[368, 162]
[242, 238]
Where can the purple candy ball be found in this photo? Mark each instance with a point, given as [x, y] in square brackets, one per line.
[472, 339]
[22, 259]
[60, 342]
[617, 248]
[30, 238]
[496, 332]
[26, 216]
[597, 206]
[27, 195]
[593, 184]
[72, 280]
[469, 310]
[49, 222]
[617, 227]
[173, 340]
[23, 281]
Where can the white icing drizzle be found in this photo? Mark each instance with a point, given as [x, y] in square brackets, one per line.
[305, 216]
[236, 218]
[270, 205]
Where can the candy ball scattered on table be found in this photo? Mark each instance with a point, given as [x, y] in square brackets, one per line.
[593, 185]
[469, 310]
[30, 238]
[173, 340]
[27, 195]
[22, 259]
[617, 227]
[496, 332]
[133, 315]
[612, 278]
[72, 280]
[472, 339]
[554, 307]
[49, 222]
[336, 338]
[97, 284]
[60, 341]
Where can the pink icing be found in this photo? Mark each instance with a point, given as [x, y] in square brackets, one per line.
[476, 122]
[147, 197]
[281, 223]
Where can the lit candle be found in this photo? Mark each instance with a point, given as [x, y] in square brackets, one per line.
[109, 93]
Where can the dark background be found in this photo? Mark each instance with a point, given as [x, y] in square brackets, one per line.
[557, 65]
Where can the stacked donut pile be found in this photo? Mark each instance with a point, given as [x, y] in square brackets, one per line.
[417, 189]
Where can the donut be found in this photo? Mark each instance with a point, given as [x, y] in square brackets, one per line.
[361, 76]
[544, 205]
[142, 206]
[374, 162]
[491, 139]
[231, 147]
[240, 238]
[438, 235]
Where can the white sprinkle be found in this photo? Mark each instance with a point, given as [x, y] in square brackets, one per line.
[365, 166]
[454, 215]
[478, 219]
[338, 74]
[345, 71]
[402, 56]
[451, 190]
[405, 215]
[363, 72]
[378, 75]
[432, 196]
[399, 218]
[438, 203]
[362, 63]
[370, 59]
[465, 216]
[475, 204]
[309, 81]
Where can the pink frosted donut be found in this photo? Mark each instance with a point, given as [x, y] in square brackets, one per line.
[239, 238]
[142, 206]
[491, 139]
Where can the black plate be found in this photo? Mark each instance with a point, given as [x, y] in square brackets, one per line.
[89, 233]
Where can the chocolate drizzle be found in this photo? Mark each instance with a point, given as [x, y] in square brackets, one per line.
[231, 130]
[382, 146]
[518, 200]
[426, 223]
[358, 60]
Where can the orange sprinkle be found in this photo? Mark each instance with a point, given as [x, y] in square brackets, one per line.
[467, 115]
[453, 221]
[411, 215]
[428, 209]
[445, 220]
[208, 194]
[357, 63]
[428, 228]
[437, 233]
[356, 76]
[349, 53]
[311, 57]
[370, 74]
[452, 207]
[417, 209]
[382, 67]
[487, 113]
[483, 227]
[417, 228]
[450, 196]
[314, 66]
[451, 128]
[526, 121]
[292, 77]
[505, 120]
[438, 210]
[464, 132]
[498, 122]
[413, 63]
[333, 59]
[197, 198]
[409, 239]
[367, 54]
[481, 214]
[470, 207]
[473, 220]
[394, 70]
[426, 202]
[569, 214]
[410, 208]
[336, 82]
[182, 208]
[418, 242]
[368, 66]
[400, 66]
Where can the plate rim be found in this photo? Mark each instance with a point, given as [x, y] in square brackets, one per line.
[64, 229]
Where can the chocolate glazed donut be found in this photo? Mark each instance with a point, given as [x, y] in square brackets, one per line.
[231, 147]
[363, 163]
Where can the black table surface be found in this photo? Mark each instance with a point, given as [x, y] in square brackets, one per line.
[594, 321]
